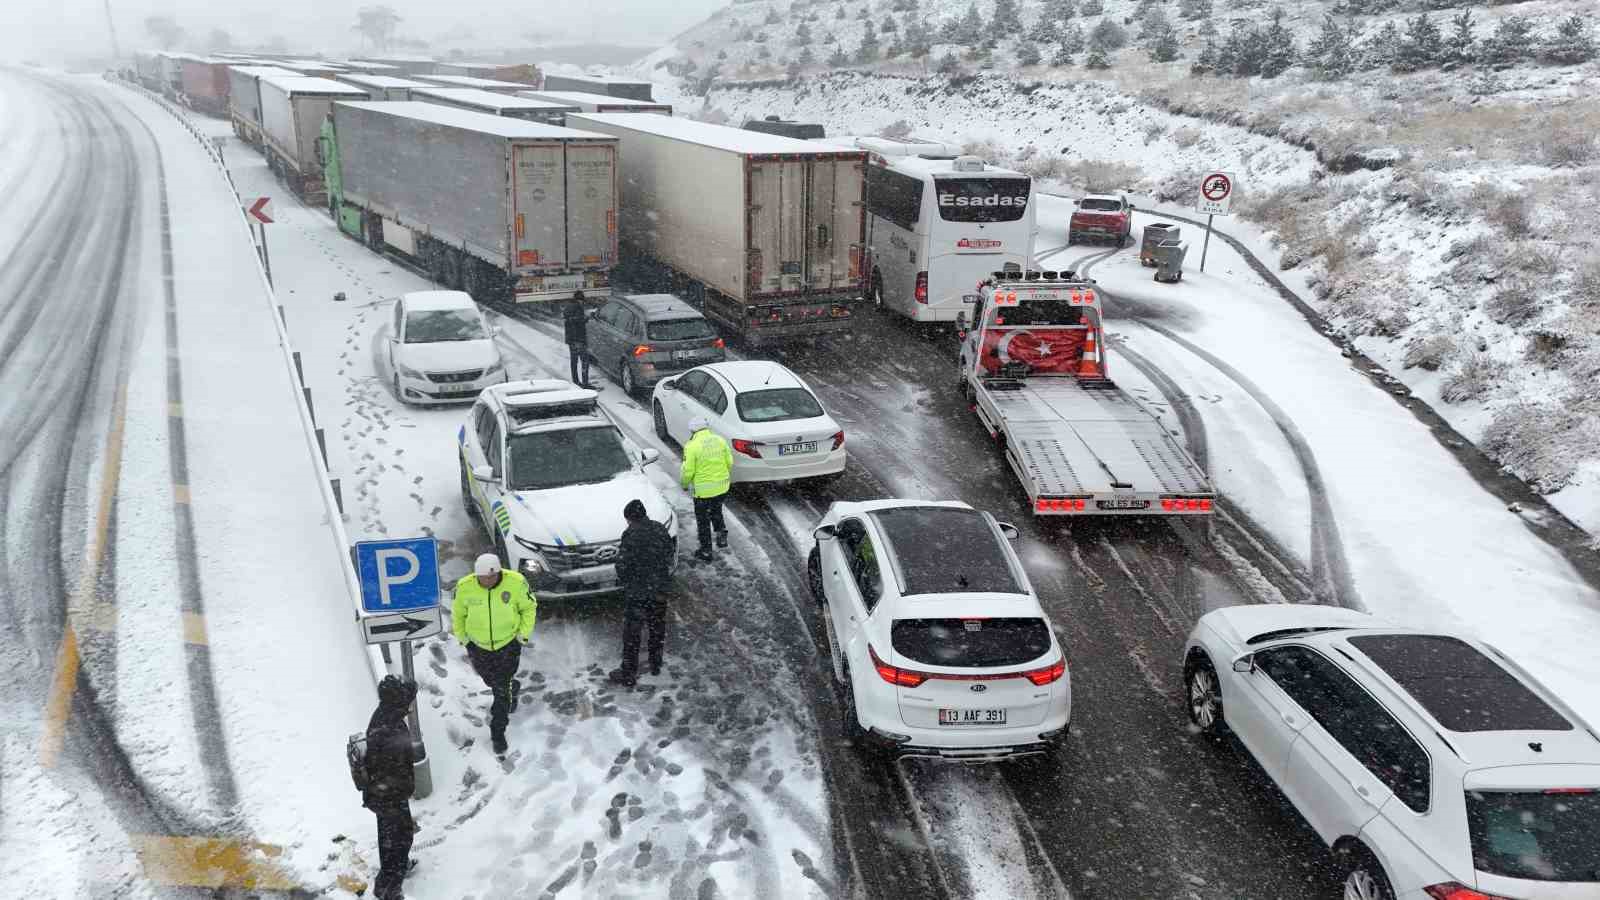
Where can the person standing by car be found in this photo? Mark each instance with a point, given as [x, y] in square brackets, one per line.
[493, 615]
[707, 474]
[575, 325]
[391, 780]
[644, 567]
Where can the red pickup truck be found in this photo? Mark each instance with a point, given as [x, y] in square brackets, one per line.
[1103, 217]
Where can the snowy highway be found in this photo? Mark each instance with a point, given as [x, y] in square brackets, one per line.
[186, 666]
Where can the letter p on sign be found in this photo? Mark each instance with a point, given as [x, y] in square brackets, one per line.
[397, 575]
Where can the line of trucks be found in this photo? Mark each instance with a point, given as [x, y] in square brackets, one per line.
[763, 232]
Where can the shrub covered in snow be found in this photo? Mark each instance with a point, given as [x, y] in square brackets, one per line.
[1472, 377]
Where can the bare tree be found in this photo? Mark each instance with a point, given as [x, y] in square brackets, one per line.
[377, 24]
[219, 40]
[165, 30]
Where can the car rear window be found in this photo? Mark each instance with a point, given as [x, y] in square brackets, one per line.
[946, 550]
[1460, 687]
[982, 199]
[680, 329]
[1093, 204]
[778, 405]
[1536, 835]
[976, 643]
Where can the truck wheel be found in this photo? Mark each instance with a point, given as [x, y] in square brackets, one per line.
[1072, 237]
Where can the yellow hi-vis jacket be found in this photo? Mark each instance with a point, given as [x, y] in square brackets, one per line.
[493, 617]
[707, 465]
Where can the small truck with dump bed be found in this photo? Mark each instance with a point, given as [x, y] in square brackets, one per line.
[1032, 368]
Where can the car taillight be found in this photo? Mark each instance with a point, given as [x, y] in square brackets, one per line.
[641, 350]
[922, 287]
[719, 343]
[895, 674]
[1059, 504]
[1052, 672]
[1455, 890]
[840, 312]
[1186, 504]
[838, 439]
[855, 263]
[748, 448]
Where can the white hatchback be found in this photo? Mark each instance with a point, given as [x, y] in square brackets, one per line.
[1433, 765]
[441, 350]
[778, 428]
[935, 635]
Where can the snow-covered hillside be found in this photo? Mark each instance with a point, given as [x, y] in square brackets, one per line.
[1438, 202]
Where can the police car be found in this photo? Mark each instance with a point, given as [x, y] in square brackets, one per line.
[546, 470]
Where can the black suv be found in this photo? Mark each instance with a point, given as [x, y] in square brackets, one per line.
[640, 339]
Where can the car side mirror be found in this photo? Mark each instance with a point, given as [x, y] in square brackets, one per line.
[1131, 207]
[1244, 663]
[1009, 530]
[669, 385]
[825, 532]
[649, 455]
[485, 475]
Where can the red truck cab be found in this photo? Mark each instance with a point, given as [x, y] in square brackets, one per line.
[1103, 217]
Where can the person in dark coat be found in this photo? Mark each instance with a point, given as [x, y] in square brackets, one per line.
[644, 569]
[575, 325]
[391, 779]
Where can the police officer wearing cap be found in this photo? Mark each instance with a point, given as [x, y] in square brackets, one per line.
[707, 474]
[493, 615]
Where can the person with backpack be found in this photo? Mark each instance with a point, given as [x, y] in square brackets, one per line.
[390, 775]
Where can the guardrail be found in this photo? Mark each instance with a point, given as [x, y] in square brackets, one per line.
[332, 501]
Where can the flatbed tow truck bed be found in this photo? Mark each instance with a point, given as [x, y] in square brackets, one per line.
[1079, 444]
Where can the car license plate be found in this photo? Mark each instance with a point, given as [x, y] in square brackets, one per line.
[558, 283]
[969, 298]
[462, 388]
[972, 717]
[685, 354]
[598, 584]
[1123, 503]
[792, 449]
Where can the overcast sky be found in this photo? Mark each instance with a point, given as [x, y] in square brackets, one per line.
[49, 27]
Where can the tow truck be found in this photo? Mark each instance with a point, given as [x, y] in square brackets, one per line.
[1032, 368]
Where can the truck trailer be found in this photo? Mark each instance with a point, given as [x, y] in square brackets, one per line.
[244, 99]
[292, 110]
[1033, 369]
[493, 85]
[525, 74]
[497, 207]
[622, 88]
[600, 103]
[764, 233]
[206, 85]
[383, 87]
[495, 104]
[404, 66]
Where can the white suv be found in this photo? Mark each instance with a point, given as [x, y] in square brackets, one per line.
[935, 635]
[547, 471]
[1433, 766]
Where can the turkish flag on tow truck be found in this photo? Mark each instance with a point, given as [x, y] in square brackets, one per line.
[1048, 351]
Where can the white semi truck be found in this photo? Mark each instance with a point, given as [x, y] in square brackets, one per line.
[1032, 364]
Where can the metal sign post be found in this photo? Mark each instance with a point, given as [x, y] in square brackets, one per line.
[258, 213]
[1216, 199]
[400, 602]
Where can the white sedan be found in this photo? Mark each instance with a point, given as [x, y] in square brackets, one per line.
[441, 350]
[935, 635]
[778, 429]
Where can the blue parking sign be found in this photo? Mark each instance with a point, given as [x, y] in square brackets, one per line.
[398, 575]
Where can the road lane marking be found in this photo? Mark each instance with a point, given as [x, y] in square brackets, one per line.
[180, 493]
[211, 863]
[194, 629]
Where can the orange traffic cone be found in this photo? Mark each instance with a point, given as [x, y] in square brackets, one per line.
[1089, 364]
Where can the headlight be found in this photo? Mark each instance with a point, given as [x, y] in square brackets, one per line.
[494, 367]
[407, 371]
[533, 565]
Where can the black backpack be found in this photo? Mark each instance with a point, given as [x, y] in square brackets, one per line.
[355, 753]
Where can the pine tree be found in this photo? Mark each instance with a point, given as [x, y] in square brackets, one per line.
[1062, 10]
[1062, 58]
[1244, 52]
[948, 64]
[1092, 8]
[838, 59]
[806, 57]
[970, 30]
[1572, 43]
[1028, 54]
[918, 41]
[1421, 47]
[763, 52]
[950, 31]
[1006, 20]
[1460, 48]
[1332, 54]
[1379, 50]
[1044, 30]
[1096, 58]
[772, 17]
[1513, 42]
[802, 35]
[1166, 47]
[1154, 27]
[722, 55]
[1145, 8]
[866, 14]
[867, 50]
[1108, 34]
[1206, 62]
[1194, 9]
[1279, 48]
[888, 26]
[1072, 37]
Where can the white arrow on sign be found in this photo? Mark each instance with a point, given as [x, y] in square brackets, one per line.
[260, 209]
[407, 626]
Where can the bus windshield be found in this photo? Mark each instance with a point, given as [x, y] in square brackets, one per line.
[982, 199]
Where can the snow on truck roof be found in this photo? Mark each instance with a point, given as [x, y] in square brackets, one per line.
[467, 120]
[472, 81]
[599, 99]
[292, 83]
[384, 81]
[261, 69]
[490, 99]
[722, 137]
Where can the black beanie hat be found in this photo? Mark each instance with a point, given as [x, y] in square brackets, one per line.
[634, 510]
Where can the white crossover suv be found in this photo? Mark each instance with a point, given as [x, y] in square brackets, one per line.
[1433, 765]
[547, 471]
[934, 633]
